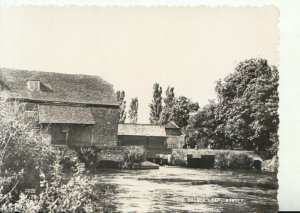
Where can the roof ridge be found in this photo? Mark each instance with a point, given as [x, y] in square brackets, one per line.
[55, 86]
[52, 72]
[139, 124]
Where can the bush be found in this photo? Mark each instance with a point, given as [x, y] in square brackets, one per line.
[134, 154]
[28, 162]
[233, 160]
[60, 192]
[87, 155]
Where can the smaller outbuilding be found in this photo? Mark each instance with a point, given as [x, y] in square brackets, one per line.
[147, 135]
[150, 136]
[172, 129]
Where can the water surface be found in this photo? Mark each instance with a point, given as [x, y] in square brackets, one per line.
[177, 189]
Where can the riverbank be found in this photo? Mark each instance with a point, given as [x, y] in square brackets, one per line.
[132, 156]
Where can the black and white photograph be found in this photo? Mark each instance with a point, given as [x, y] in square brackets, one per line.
[139, 109]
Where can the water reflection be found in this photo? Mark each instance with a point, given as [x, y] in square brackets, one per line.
[170, 189]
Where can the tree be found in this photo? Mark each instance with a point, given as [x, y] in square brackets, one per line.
[249, 102]
[205, 128]
[122, 106]
[245, 115]
[156, 105]
[182, 108]
[167, 110]
[133, 110]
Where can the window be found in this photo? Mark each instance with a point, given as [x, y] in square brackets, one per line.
[33, 85]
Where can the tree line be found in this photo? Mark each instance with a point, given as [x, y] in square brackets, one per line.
[244, 115]
[133, 108]
[162, 110]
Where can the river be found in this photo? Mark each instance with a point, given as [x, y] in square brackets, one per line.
[177, 189]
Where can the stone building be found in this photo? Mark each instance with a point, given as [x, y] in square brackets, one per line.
[71, 109]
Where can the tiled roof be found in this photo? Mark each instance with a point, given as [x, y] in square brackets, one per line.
[58, 87]
[65, 115]
[141, 130]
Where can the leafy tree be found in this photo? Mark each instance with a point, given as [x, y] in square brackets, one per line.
[167, 111]
[156, 105]
[201, 127]
[182, 108]
[245, 115]
[249, 100]
[122, 106]
[133, 110]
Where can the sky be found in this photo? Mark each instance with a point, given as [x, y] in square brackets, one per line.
[189, 48]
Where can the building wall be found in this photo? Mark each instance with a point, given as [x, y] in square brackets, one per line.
[104, 131]
[175, 132]
[77, 135]
[146, 141]
[106, 127]
[175, 142]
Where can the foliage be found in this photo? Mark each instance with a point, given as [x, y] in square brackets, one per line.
[205, 128]
[73, 193]
[167, 110]
[87, 155]
[250, 102]
[177, 109]
[182, 109]
[134, 154]
[122, 106]
[233, 160]
[28, 162]
[23, 155]
[133, 110]
[245, 116]
[156, 105]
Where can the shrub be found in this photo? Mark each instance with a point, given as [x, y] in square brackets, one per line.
[27, 161]
[233, 160]
[134, 154]
[60, 192]
[87, 155]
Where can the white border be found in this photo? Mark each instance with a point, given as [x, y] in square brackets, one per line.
[289, 157]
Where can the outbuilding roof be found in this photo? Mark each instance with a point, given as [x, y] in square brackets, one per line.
[57, 87]
[141, 130]
[172, 125]
[65, 115]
